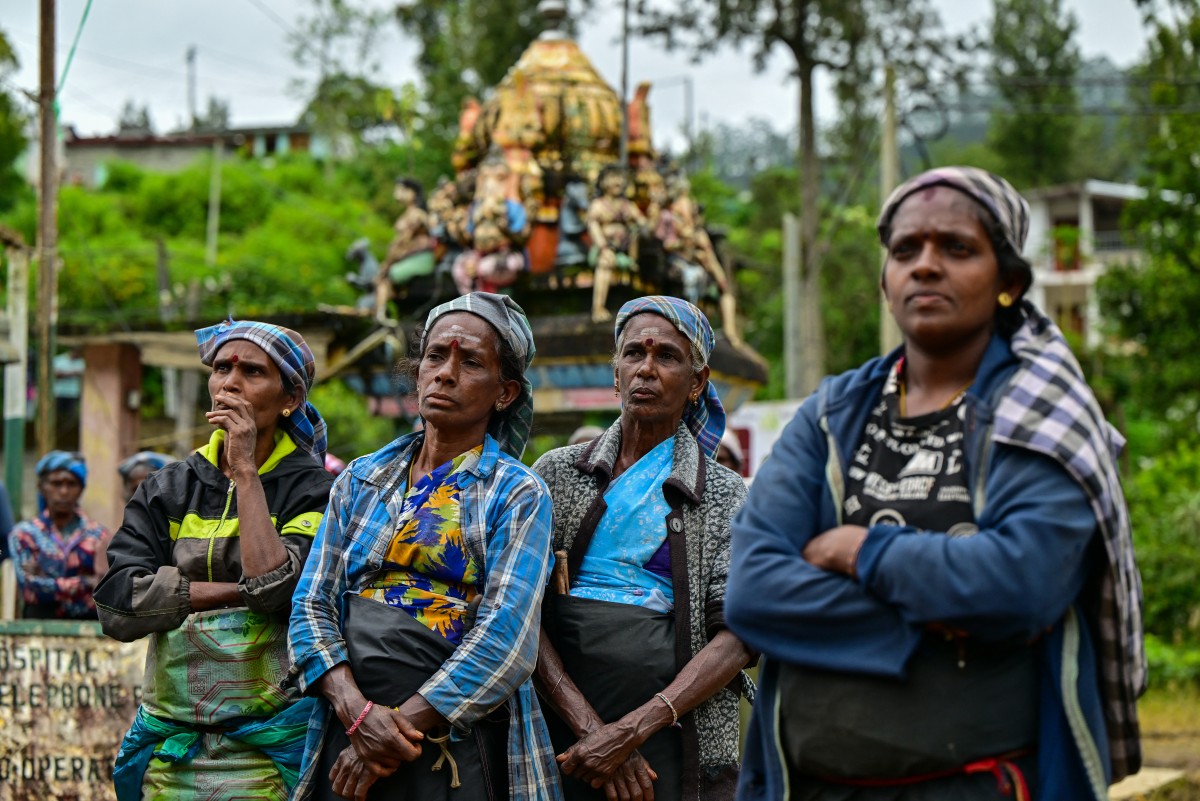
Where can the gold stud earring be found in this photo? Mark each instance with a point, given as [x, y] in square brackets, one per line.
[499, 406]
[287, 412]
[1005, 300]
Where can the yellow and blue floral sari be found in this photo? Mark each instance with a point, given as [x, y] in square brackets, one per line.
[428, 570]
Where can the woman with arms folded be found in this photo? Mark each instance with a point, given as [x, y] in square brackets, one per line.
[416, 622]
[935, 560]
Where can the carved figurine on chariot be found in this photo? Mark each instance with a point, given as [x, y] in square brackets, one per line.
[680, 228]
[497, 228]
[410, 253]
[614, 223]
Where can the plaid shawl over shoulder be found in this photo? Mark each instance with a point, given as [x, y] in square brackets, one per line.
[1049, 408]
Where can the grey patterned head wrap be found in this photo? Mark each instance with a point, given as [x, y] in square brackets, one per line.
[511, 427]
[992, 192]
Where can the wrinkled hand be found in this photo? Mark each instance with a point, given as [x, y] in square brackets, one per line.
[836, 550]
[633, 781]
[352, 778]
[596, 757]
[385, 739]
[235, 415]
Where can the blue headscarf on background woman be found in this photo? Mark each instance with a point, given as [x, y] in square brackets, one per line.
[70, 461]
[705, 418]
[295, 360]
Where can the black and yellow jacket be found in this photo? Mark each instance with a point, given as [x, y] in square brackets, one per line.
[182, 526]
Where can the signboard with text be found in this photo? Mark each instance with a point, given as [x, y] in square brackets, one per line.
[67, 697]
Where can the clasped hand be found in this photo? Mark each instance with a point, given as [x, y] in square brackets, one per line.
[383, 741]
[607, 757]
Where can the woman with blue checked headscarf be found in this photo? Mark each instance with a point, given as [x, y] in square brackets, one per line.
[55, 554]
[935, 560]
[205, 563]
[635, 658]
[416, 622]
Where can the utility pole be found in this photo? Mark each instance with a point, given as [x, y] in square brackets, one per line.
[624, 157]
[793, 334]
[15, 374]
[47, 295]
[191, 83]
[889, 179]
[189, 380]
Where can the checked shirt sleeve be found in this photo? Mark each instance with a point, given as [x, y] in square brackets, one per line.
[315, 643]
[500, 652]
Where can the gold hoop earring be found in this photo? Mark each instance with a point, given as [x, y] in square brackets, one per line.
[1005, 300]
[287, 412]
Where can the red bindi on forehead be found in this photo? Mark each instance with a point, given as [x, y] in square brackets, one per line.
[453, 344]
[649, 342]
[234, 358]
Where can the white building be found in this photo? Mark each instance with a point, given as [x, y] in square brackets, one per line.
[1075, 232]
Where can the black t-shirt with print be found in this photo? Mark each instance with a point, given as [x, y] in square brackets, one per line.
[961, 699]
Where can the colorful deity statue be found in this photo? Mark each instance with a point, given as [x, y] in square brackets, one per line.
[614, 223]
[497, 229]
[410, 253]
[690, 252]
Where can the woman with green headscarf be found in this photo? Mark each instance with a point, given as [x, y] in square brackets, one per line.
[416, 622]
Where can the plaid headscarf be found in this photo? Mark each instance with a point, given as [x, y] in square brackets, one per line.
[706, 418]
[991, 191]
[511, 427]
[70, 461]
[1049, 408]
[295, 360]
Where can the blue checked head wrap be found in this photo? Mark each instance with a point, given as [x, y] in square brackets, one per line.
[70, 461]
[511, 427]
[705, 419]
[296, 364]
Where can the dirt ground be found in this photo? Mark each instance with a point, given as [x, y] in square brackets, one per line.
[1171, 739]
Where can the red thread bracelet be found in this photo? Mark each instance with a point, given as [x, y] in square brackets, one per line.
[361, 717]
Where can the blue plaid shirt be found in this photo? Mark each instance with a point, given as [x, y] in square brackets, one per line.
[506, 519]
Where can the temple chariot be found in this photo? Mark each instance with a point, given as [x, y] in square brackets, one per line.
[542, 207]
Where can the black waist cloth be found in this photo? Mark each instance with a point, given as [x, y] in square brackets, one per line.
[962, 700]
[391, 656]
[619, 656]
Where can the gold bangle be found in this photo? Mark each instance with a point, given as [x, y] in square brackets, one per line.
[670, 706]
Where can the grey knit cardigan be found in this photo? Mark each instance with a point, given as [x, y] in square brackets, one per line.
[704, 497]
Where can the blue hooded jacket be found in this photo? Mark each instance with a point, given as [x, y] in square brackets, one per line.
[1022, 574]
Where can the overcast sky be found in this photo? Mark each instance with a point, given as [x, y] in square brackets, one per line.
[135, 49]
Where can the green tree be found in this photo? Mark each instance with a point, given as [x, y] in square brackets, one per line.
[1034, 62]
[466, 47]
[12, 136]
[135, 119]
[215, 117]
[855, 37]
[337, 41]
[1154, 305]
